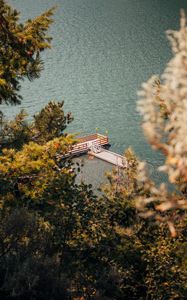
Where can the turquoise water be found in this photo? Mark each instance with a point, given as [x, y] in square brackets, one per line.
[102, 51]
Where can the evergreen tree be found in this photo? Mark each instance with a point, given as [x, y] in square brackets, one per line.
[57, 239]
[20, 48]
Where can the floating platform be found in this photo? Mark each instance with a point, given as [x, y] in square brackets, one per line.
[95, 145]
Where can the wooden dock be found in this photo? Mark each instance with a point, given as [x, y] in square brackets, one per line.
[88, 142]
[95, 144]
[110, 157]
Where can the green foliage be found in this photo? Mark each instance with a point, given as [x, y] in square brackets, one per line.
[58, 240]
[156, 266]
[15, 133]
[46, 125]
[20, 48]
[122, 190]
[50, 122]
[164, 277]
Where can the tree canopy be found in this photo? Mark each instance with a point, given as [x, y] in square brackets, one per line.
[58, 240]
[20, 49]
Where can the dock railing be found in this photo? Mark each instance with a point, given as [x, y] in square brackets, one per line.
[79, 148]
[103, 139]
[85, 143]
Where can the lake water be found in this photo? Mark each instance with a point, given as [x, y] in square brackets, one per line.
[102, 51]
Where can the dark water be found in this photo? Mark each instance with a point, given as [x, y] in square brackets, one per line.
[102, 51]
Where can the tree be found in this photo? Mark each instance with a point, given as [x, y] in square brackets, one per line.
[20, 48]
[168, 134]
[50, 123]
[58, 240]
[155, 261]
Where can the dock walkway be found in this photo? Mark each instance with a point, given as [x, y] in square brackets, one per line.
[110, 157]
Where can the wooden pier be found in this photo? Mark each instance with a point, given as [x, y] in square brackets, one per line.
[110, 157]
[88, 142]
[95, 144]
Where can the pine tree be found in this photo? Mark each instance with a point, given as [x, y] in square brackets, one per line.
[57, 239]
[21, 45]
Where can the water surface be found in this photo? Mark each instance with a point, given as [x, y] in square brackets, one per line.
[102, 51]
